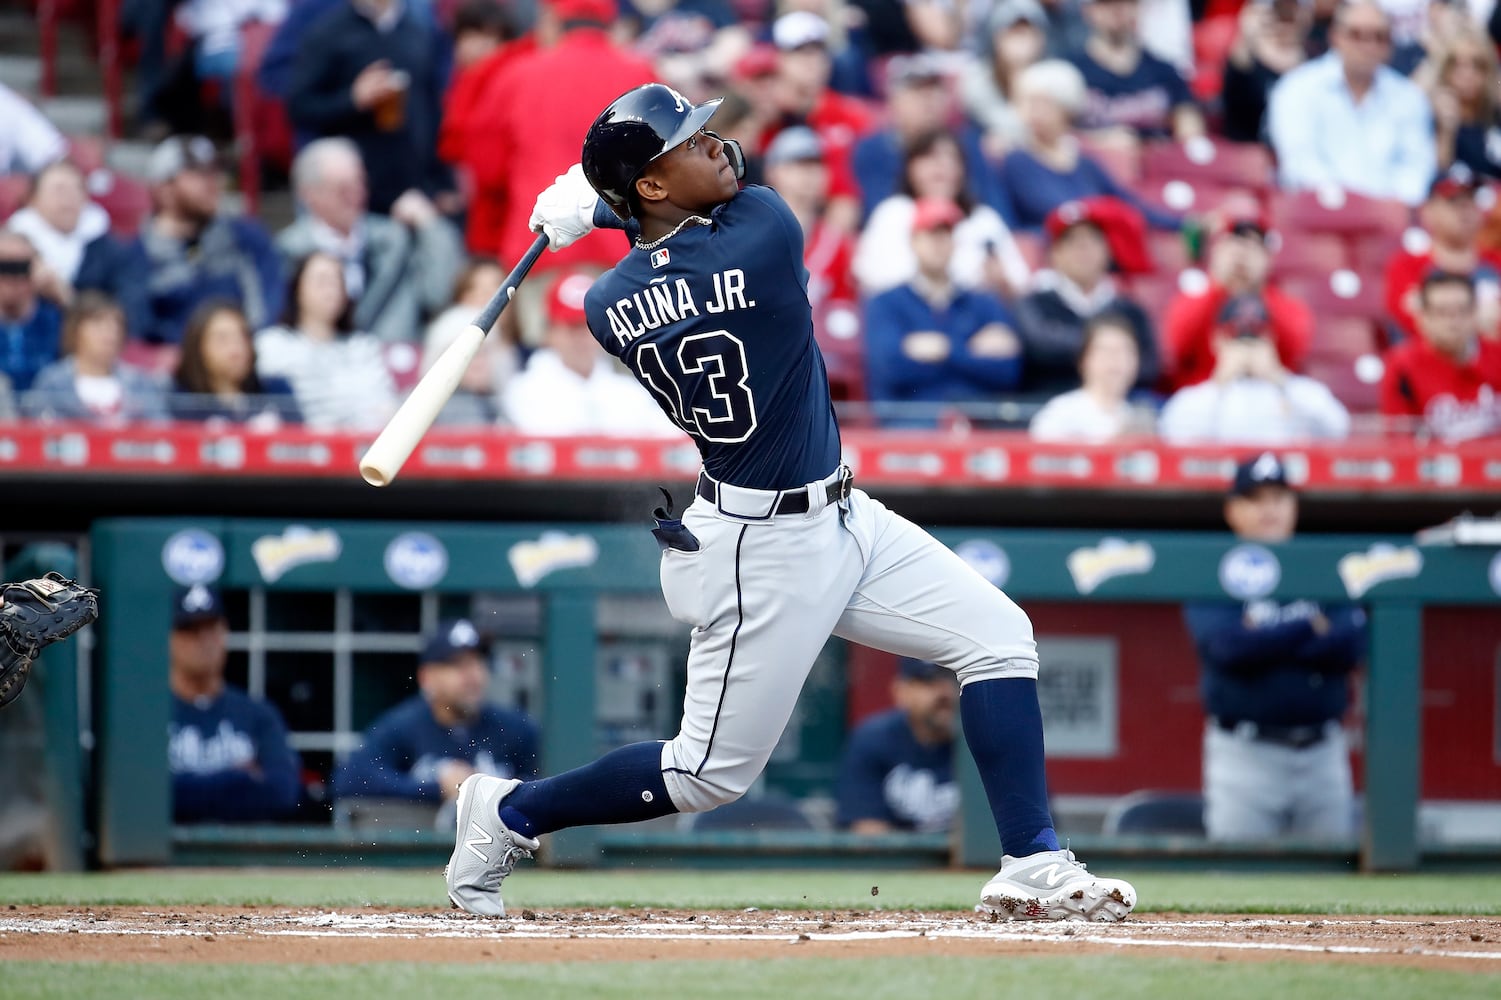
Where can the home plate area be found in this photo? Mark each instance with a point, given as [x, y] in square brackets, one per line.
[250, 934]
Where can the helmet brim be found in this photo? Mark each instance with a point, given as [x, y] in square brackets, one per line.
[697, 119]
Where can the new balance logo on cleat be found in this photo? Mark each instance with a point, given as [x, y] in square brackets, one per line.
[478, 838]
[1053, 872]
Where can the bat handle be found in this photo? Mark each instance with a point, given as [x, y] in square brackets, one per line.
[487, 317]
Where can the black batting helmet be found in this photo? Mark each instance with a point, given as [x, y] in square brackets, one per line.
[639, 126]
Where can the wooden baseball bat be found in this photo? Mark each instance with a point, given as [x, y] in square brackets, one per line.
[389, 452]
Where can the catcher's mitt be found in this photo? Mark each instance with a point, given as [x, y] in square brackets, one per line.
[33, 614]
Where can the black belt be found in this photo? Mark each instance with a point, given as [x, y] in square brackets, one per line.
[792, 501]
[1296, 737]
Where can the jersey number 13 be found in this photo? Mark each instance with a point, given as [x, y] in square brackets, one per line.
[704, 387]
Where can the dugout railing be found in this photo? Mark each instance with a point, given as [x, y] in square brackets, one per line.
[565, 569]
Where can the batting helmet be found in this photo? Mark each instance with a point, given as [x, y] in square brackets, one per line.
[637, 127]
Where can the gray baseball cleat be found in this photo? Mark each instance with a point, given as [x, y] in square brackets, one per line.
[484, 849]
[1053, 886]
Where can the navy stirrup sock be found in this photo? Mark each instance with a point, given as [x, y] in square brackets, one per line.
[1003, 727]
[623, 786]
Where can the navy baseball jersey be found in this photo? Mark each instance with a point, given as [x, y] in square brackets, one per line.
[716, 323]
[1264, 663]
[230, 760]
[888, 775]
[404, 747]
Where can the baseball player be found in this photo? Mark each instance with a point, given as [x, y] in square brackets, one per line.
[709, 309]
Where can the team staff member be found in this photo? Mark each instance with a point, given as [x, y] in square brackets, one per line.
[426, 746]
[898, 769]
[778, 551]
[1275, 686]
[229, 755]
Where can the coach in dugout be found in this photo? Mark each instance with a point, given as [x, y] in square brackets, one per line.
[422, 749]
[1276, 684]
[898, 768]
[229, 755]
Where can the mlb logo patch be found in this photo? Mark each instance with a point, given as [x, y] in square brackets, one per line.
[659, 258]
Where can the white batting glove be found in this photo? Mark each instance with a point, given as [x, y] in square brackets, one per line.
[565, 211]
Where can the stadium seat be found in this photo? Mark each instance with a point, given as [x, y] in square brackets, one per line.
[1153, 292]
[127, 200]
[1310, 254]
[1121, 162]
[1343, 338]
[13, 188]
[403, 361]
[1343, 379]
[1169, 252]
[1218, 163]
[263, 134]
[1352, 215]
[159, 359]
[838, 327]
[1154, 812]
[1342, 292]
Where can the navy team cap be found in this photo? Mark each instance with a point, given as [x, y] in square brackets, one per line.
[912, 669]
[195, 605]
[451, 639]
[1265, 469]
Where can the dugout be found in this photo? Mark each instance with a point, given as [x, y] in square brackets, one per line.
[562, 594]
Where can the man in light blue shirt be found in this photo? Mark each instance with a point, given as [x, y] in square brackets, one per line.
[1350, 121]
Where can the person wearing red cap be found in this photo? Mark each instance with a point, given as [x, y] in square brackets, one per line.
[1450, 377]
[930, 342]
[1447, 242]
[1088, 238]
[1239, 262]
[569, 388]
[1251, 398]
[531, 114]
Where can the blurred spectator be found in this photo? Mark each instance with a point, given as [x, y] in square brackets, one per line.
[1239, 261]
[172, 95]
[899, 26]
[75, 249]
[1016, 38]
[1466, 92]
[275, 73]
[985, 253]
[1450, 377]
[1067, 30]
[1075, 288]
[1276, 684]
[1447, 241]
[529, 122]
[795, 168]
[476, 402]
[30, 326]
[374, 71]
[1272, 39]
[1048, 168]
[339, 376]
[216, 381]
[29, 141]
[8, 410]
[1165, 29]
[1099, 410]
[196, 253]
[486, 40]
[90, 382]
[228, 752]
[569, 386]
[690, 42]
[1250, 398]
[898, 767]
[1346, 120]
[1129, 88]
[422, 749]
[398, 269]
[918, 96]
[932, 341]
[801, 95]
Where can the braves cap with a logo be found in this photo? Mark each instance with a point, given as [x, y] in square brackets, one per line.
[451, 639]
[1251, 475]
[195, 605]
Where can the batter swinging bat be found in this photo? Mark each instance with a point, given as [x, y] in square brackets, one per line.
[385, 457]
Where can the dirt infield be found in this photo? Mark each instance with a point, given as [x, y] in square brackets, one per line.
[280, 935]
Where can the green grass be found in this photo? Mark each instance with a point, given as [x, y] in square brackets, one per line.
[1478, 895]
[827, 979]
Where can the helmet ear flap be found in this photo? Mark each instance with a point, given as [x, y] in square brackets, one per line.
[733, 152]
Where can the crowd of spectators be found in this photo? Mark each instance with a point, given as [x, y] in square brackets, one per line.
[1236, 221]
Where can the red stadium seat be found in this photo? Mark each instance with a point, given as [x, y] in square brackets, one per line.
[127, 200]
[1342, 292]
[1358, 395]
[159, 359]
[1352, 215]
[262, 130]
[1121, 162]
[404, 362]
[840, 332]
[1343, 338]
[1217, 163]
[1310, 254]
[1169, 252]
[1153, 292]
[13, 188]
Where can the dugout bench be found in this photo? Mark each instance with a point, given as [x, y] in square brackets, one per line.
[566, 567]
